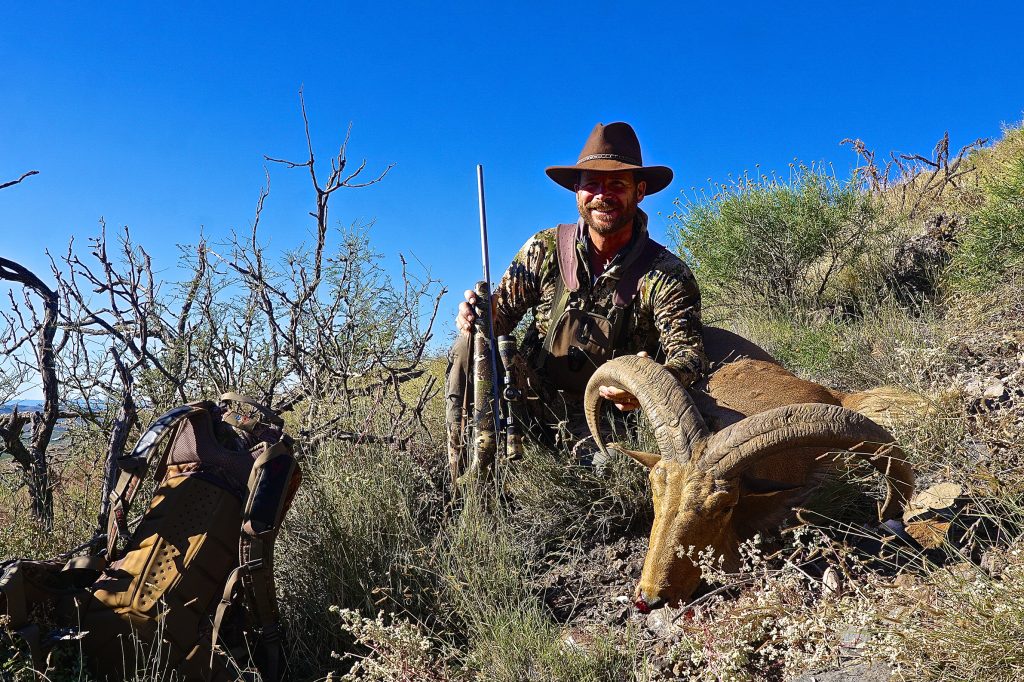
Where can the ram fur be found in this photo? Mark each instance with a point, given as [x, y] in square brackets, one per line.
[737, 453]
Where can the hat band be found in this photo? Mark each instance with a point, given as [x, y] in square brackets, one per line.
[613, 157]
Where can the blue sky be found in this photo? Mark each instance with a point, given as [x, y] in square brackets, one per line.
[157, 116]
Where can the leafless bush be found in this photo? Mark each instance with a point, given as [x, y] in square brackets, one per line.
[911, 183]
[321, 331]
[29, 330]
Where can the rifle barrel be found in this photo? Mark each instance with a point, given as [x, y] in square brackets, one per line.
[483, 223]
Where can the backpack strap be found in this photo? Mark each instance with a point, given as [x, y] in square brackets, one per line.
[567, 263]
[271, 416]
[151, 449]
[637, 264]
[272, 485]
[568, 277]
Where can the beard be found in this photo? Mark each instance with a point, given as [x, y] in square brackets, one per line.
[605, 225]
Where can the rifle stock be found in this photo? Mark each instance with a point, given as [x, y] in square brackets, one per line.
[484, 419]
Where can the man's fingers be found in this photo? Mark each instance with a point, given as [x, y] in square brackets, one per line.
[623, 400]
[464, 318]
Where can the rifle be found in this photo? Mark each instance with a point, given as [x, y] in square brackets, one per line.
[491, 423]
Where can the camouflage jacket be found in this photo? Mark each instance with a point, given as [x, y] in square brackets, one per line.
[664, 318]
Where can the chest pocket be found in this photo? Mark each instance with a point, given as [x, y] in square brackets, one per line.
[580, 342]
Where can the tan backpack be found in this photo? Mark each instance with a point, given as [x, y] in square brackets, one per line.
[161, 593]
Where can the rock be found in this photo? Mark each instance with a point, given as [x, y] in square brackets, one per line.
[831, 582]
[851, 643]
[862, 672]
[996, 391]
[993, 562]
[974, 388]
[661, 621]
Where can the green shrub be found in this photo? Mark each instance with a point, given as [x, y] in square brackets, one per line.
[524, 644]
[886, 345]
[992, 243]
[510, 636]
[761, 241]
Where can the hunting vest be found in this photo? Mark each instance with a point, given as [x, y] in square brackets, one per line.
[578, 340]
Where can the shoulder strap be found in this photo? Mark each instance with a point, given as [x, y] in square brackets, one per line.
[274, 479]
[272, 417]
[568, 277]
[151, 449]
[637, 264]
[567, 264]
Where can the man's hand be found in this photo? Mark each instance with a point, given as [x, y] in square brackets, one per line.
[624, 400]
[464, 318]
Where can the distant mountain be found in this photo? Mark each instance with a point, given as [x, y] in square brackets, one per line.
[22, 405]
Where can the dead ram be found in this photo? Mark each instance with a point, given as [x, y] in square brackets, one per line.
[738, 455]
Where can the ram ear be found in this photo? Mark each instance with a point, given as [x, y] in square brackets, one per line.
[765, 487]
[648, 459]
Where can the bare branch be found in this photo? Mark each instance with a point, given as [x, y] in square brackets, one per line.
[15, 182]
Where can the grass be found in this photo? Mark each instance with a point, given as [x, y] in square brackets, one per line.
[992, 244]
[559, 505]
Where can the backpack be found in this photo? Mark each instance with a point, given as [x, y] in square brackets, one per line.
[162, 592]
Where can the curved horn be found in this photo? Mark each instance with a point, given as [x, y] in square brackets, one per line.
[810, 426]
[676, 422]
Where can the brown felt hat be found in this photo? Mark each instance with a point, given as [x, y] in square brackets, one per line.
[612, 147]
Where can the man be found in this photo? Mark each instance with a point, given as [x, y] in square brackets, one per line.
[597, 289]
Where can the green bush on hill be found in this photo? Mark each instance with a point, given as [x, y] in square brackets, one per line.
[992, 243]
[763, 241]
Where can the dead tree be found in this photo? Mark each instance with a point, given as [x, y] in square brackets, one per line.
[128, 344]
[32, 329]
[336, 330]
[113, 301]
[910, 182]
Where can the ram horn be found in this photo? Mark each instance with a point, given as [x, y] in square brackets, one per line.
[674, 418]
[811, 427]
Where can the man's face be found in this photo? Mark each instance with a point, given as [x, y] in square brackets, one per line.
[607, 199]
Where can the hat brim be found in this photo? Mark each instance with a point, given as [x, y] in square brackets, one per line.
[657, 177]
